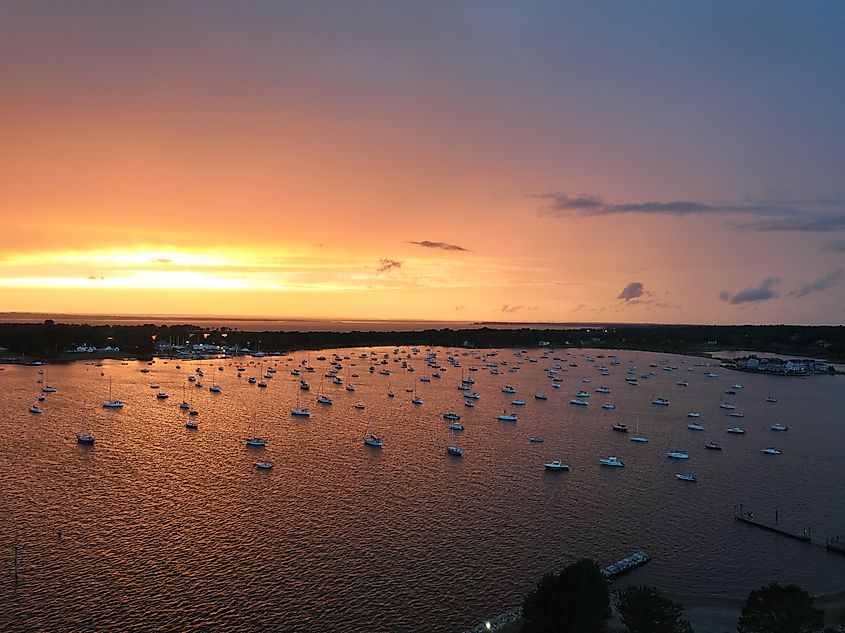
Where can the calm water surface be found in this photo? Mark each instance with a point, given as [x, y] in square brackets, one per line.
[167, 528]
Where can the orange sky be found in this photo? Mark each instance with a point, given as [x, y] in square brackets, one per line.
[283, 162]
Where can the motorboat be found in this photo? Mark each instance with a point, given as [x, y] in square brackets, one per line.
[779, 427]
[736, 414]
[456, 426]
[686, 477]
[579, 402]
[556, 464]
[693, 414]
[609, 406]
[771, 451]
[601, 389]
[161, 395]
[264, 465]
[416, 400]
[640, 439]
[695, 426]
[192, 425]
[256, 441]
[469, 403]
[737, 430]
[518, 403]
[713, 446]
[301, 412]
[450, 415]
[183, 405]
[541, 396]
[507, 417]
[360, 406]
[48, 389]
[727, 405]
[324, 400]
[215, 389]
[677, 454]
[84, 438]
[622, 428]
[661, 401]
[611, 461]
[457, 451]
[582, 394]
[472, 396]
[508, 389]
[536, 439]
[35, 409]
[682, 383]
[373, 440]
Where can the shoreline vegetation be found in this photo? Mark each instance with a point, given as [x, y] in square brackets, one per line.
[706, 614]
[55, 341]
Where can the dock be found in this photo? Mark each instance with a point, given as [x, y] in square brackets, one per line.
[835, 545]
[750, 519]
[626, 564]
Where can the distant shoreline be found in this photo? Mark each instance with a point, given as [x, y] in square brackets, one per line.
[51, 340]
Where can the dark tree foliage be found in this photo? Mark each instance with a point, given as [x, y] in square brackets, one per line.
[50, 339]
[645, 610]
[779, 609]
[576, 600]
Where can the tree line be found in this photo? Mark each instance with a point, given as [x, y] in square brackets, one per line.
[578, 600]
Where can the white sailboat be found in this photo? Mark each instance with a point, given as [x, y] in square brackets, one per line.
[111, 403]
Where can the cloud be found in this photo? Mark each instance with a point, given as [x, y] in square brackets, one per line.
[809, 215]
[831, 279]
[836, 246]
[509, 308]
[762, 292]
[632, 291]
[441, 245]
[161, 260]
[386, 265]
[560, 203]
[805, 223]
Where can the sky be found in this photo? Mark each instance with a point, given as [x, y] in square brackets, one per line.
[612, 161]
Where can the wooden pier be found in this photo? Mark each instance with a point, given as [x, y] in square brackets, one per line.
[749, 518]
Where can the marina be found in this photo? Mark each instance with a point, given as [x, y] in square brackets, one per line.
[172, 492]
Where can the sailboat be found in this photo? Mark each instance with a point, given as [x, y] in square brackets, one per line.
[637, 437]
[111, 403]
[453, 448]
[184, 405]
[300, 411]
[770, 397]
[254, 439]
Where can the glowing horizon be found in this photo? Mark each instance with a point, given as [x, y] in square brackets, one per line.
[423, 163]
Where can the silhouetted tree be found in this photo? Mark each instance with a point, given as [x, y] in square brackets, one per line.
[576, 600]
[779, 609]
[645, 610]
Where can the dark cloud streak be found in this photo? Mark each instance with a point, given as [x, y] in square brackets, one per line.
[445, 246]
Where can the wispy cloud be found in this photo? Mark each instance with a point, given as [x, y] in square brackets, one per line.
[762, 292]
[836, 246]
[809, 215]
[831, 279]
[386, 265]
[444, 246]
[805, 222]
[161, 260]
[561, 203]
[510, 309]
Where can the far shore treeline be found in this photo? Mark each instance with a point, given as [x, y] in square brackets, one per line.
[54, 341]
